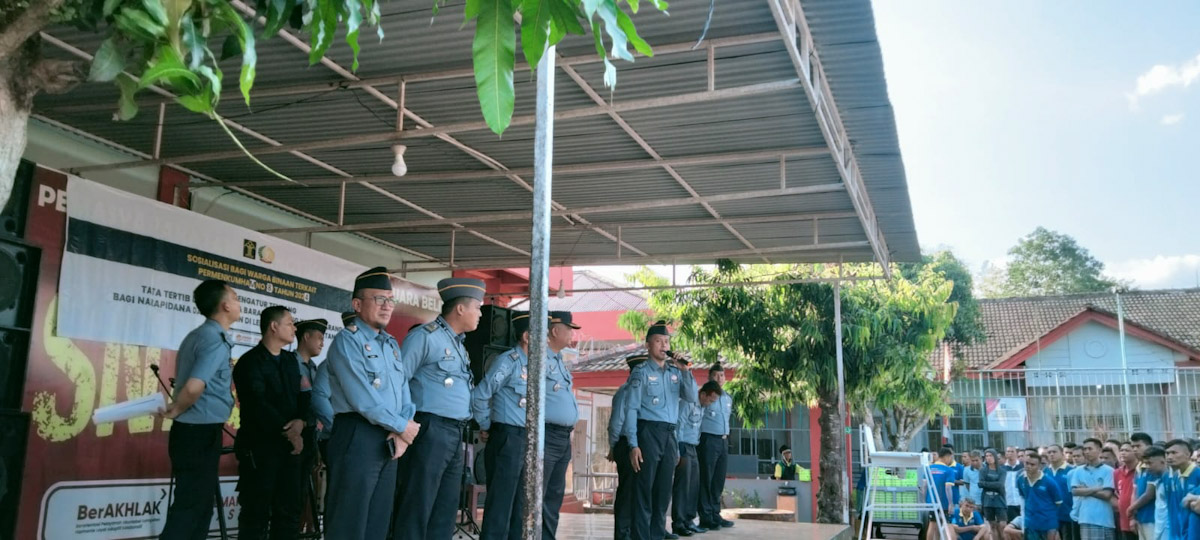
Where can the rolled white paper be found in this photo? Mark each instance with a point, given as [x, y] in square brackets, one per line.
[143, 406]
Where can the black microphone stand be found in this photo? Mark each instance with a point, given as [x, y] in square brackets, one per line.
[217, 498]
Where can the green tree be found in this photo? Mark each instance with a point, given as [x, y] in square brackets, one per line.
[782, 336]
[178, 44]
[968, 320]
[1047, 263]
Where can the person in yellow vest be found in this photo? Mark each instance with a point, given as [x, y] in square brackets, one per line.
[786, 469]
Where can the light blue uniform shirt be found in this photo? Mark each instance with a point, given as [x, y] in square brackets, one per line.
[716, 416]
[321, 406]
[654, 395]
[205, 354]
[616, 421]
[439, 370]
[1093, 511]
[366, 377]
[500, 396]
[970, 475]
[688, 429]
[561, 409]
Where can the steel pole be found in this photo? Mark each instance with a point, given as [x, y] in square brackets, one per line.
[539, 274]
[1124, 365]
[841, 375]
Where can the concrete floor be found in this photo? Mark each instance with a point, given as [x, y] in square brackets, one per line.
[598, 526]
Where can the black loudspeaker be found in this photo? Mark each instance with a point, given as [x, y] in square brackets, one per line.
[12, 216]
[18, 282]
[14, 430]
[492, 337]
[14, 356]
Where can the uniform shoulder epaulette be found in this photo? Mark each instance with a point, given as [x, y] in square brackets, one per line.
[431, 327]
[353, 328]
[515, 355]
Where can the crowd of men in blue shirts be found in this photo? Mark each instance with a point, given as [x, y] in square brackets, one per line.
[1097, 490]
[390, 419]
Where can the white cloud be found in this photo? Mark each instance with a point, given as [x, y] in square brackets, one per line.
[1161, 272]
[1161, 77]
[1172, 119]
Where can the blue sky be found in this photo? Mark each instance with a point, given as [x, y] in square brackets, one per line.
[1017, 114]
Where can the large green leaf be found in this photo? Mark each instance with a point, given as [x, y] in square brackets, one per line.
[610, 71]
[245, 37]
[278, 13]
[607, 10]
[494, 52]
[138, 25]
[110, 7]
[194, 41]
[353, 18]
[566, 20]
[321, 29]
[535, 29]
[108, 62]
[127, 108]
[156, 10]
[626, 24]
[167, 66]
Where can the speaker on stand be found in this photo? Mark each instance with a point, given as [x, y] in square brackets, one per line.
[492, 337]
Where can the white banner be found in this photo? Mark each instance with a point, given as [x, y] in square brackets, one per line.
[1006, 414]
[130, 265]
[119, 509]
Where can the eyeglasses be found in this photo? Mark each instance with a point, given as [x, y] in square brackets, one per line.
[381, 300]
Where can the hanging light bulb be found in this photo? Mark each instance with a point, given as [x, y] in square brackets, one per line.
[562, 293]
[399, 168]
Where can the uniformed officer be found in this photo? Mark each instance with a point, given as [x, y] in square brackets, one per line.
[655, 390]
[561, 414]
[685, 493]
[713, 453]
[440, 376]
[498, 406]
[270, 442]
[201, 403]
[373, 415]
[310, 341]
[618, 452]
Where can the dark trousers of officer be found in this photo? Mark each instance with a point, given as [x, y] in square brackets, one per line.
[362, 480]
[555, 460]
[504, 461]
[430, 481]
[195, 451]
[659, 457]
[269, 493]
[686, 490]
[626, 484]
[1068, 530]
[713, 452]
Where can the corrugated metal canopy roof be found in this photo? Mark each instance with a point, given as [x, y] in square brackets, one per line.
[745, 169]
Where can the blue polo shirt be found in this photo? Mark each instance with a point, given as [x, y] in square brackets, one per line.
[1143, 481]
[1062, 476]
[205, 354]
[1193, 519]
[943, 475]
[957, 519]
[1093, 511]
[1042, 500]
[1173, 487]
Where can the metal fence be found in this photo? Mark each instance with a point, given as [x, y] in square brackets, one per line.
[1024, 407]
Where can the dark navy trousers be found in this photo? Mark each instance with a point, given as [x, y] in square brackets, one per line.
[430, 480]
[653, 494]
[713, 453]
[555, 460]
[504, 461]
[362, 480]
[686, 490]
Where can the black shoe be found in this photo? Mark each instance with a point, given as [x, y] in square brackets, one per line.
[711, 526]
[671, 536]
[726, 523]
[683, 531]
[696, 528]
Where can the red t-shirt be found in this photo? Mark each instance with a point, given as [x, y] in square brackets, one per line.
[1123, 479]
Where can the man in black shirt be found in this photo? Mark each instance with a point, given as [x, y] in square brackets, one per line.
[269, 443]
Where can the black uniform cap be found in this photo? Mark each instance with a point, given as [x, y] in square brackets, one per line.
[451, 288]
[311, 324]
[375, 278]
[658, 329]
[563, 317]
